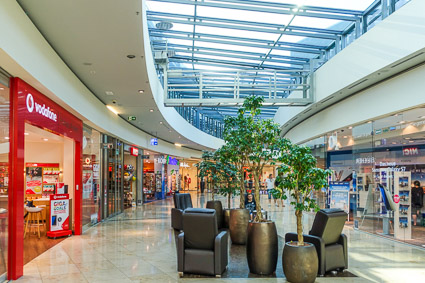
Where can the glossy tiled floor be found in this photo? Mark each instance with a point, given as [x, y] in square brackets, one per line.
[139, 245]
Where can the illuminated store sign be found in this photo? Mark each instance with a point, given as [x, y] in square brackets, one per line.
[154, 141]
[184, 164]
[161, 160]
[366, 160]
[172, 161]
[134, 151]
[411, 151]
[40, 109]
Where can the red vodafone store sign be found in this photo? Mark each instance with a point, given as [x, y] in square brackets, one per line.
[396, 198]
[28, 105]
[134, 151]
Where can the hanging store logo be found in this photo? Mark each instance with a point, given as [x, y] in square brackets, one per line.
[172, 161]
[184, 165]
[40, 109]
[161, 160]
[365, 160]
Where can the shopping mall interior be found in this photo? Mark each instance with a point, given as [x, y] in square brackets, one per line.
[212, 141]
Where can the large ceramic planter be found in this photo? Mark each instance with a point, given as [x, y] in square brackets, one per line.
[262, 246]
[216, 204]
[226, 219]
[300, 263]
[238, 225]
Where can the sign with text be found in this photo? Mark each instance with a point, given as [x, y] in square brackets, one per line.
[59, 212]
[154, 141]
[340, 195]
[134, 151]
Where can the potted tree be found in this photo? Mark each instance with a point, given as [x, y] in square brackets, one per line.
[228, 175]
[238, 153]
[210, 168]
[299, 178]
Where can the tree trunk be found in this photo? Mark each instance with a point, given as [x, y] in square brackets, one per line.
[229, 196]
[299, 215]
[212, 190]
[259, 215]
[242, 191]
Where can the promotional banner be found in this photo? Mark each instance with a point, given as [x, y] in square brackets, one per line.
[34, 180]
[339, 195]
[59, 212]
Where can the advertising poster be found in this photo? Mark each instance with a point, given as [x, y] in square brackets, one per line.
[340, 195]
[87, 184]
[59, 212]
[34, 180]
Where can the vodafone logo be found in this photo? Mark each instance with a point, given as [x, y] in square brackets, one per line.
[396, 198]
[30, 103]
[40, 109]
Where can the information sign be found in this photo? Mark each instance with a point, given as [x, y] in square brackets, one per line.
[59, 216]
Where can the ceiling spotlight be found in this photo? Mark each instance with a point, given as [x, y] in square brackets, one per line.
[170, 131]
[350, 128]
[45, 139]
[26, 134]
[6, 138]
[141, 91]
[108, 92]
[160, 122]
[177, 144]
[150, 110]
[369, 122]
[407, 138]
[130, 56]
[402, 122]
[1, 88]
[411, 141]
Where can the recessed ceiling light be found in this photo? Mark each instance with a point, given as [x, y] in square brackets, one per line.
[180, 137]
[411, 141]
[407, 138]
[130, 56]
[350, 128]
[141, 91]
[177, 144]
[170, 131]
[345, 137]
[45, 139]
[1, 88]
[402, 122]
[369, 122]
[108, 92]
[150, 110]
[6, 138]
[26, 134]
[160, 122]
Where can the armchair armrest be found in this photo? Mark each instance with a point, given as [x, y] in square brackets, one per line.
[180, 252]
[177, 218]
[221, 252]
[318, 243]
[343, 241]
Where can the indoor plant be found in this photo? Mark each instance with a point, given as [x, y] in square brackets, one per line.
[299, 177]
[262, 139]
[210, 168]
[229, 176]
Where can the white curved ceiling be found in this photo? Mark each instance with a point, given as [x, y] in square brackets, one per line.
[94, 38]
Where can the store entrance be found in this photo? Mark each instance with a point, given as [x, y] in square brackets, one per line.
[49, 170]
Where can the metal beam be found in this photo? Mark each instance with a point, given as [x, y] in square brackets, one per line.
[265, 27]
[231, 102]
[246, 28]
[265, 9]
[236, 43]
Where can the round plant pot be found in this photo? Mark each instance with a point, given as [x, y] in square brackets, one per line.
[238, 225]
[216, 204]
[226, 220]
[261, 248]
[300, 263]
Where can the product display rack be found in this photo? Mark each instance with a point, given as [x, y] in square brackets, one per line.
[50, 179]
[128, 185]
[403, 214]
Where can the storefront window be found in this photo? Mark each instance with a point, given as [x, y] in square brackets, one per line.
[91, 177]
[379, 174]
[4, 174]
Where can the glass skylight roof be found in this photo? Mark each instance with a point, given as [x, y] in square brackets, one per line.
[253, 34]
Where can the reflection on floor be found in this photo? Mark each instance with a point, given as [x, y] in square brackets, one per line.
[33, 246]
[138, 246]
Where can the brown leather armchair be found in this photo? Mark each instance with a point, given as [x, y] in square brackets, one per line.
[325, 235]
[201, 249]
[181, 202]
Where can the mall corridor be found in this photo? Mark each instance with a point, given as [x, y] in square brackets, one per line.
[139, 246]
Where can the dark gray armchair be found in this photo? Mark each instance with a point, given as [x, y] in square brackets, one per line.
[325, 235]
[181, 202]
[201, 249]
